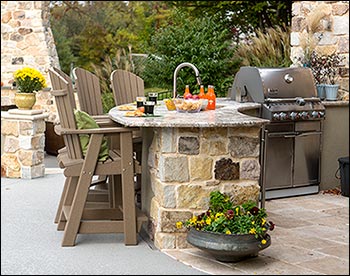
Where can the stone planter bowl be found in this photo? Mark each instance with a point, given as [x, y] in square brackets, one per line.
[227, 248]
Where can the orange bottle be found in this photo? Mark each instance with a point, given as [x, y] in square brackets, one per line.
[211, 98]
[187, 94]
[201, 92]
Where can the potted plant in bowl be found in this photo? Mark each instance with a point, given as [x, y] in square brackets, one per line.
[27, 81]
[332, 64]
[318, 69]
[325, 69]
[229, 232]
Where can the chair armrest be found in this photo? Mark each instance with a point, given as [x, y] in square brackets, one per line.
[98, 117]
[104, 130]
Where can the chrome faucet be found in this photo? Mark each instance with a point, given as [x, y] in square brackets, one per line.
[185, 64]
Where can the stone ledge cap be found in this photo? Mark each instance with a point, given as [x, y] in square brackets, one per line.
[23, 116]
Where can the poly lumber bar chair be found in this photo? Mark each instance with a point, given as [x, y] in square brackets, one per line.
[126, 86]
[79, 170]
[98, 195]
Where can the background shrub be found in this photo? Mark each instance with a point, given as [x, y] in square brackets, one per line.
[201, 41]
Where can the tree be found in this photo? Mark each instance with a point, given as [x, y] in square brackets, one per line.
[242, 17]
[98, 29]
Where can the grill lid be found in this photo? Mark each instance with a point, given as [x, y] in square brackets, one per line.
[260, 84]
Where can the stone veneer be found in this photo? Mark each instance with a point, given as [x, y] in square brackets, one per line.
[24, 141]
[186, 164]
[335, 37]
[26, 38]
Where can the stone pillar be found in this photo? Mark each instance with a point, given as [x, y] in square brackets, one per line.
[24, 141]
[186, 164]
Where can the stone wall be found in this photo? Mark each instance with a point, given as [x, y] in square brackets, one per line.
[333, 38]
[186, 164]
[26, 38]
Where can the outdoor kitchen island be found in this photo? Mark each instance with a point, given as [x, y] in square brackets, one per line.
[185, 156]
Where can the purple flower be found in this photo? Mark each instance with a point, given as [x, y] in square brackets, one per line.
[230, 214]
[254, 210]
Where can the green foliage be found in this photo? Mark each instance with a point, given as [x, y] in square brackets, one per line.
[200, 41]
[219, 202]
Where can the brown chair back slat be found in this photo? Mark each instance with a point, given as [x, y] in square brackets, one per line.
[89, 91]
[70, 84]
[126, 86]
[66, 114]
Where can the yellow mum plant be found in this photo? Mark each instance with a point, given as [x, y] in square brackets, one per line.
[29, 80]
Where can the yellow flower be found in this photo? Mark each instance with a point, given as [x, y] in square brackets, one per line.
[193, 220]
[29, 80]
[228, 232]
[263, 242]
[237, 211]
[252, 231]
[218, 215]
[208, 221]
[263, 221]
[179, 225]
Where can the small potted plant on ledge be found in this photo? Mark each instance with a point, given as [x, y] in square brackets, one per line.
[27, 81]
[332, 74]
[325, 69]
[229, 232]
[317, 65]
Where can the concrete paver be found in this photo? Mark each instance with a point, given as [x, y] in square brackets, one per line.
[311, 238]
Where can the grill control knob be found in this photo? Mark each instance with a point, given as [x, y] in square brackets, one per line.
[293, 115]
[315, 114]
[283, 116]
[276, 116]
[304, 115]
[321, 114]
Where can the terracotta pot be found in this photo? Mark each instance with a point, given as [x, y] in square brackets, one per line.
[227, 248]
[25, 101]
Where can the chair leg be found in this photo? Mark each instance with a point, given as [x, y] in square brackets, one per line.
[67, 200]
[81, 192]
[128, 197]
[64, 192]
[76, 211]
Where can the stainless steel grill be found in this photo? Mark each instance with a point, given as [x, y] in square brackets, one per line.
[291, 142]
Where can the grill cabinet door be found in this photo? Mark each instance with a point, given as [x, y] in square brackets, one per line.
[307, 158]
[278, 161]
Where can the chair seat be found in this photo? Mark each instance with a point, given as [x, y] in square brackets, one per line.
[72, 167]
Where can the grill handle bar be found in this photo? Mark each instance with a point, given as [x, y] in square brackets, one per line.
[283, 100]
[293, 134]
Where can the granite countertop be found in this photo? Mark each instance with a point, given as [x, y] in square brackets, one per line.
[335, 103]
[226, 114]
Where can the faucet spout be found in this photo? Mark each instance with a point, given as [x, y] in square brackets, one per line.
[181, 65]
